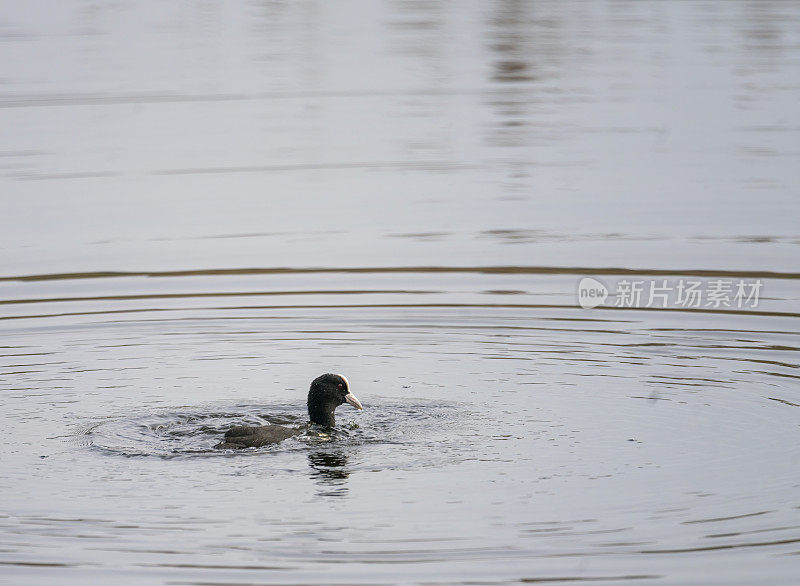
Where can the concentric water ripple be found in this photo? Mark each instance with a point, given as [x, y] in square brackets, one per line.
[434, 431]
[531, 430]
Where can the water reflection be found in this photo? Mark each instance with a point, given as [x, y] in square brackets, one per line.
[511, 41]
[329, 469]
[519, 45]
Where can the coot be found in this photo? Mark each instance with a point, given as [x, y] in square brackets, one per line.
[327, 392]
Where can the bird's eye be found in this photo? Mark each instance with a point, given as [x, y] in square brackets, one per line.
[341, 386]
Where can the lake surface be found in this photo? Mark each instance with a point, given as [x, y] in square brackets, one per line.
[204, 205]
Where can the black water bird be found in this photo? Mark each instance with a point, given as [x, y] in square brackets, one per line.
[327, 392]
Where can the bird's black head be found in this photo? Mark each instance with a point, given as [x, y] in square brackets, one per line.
[327, 392]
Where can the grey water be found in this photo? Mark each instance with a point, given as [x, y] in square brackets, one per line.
[204, 205]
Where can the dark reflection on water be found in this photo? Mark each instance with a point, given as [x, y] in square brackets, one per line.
[330, 471]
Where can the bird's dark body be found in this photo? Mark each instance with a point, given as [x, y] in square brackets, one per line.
[327, 392]
[245, 436]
